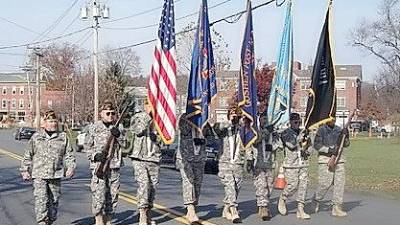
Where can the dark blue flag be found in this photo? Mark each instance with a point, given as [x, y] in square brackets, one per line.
[202, 82]
[247, 89]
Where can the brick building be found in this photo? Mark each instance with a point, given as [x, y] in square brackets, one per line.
[17, 97]
[348, 86]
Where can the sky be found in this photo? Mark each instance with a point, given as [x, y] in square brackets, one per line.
[22, 21]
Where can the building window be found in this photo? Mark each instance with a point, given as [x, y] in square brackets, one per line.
[4, 90]
[4, 103]
[304, 84]
[341, 101]
[21, 90]
[50, 103]
[21, 103]
[303, 101]
[340, 85]
[21, 116]
[13, 104]
[29, 105]
[14, 90]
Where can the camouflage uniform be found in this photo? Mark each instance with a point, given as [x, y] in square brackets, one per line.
[46, 158]
[190, 160]
[146, 156]
[104, 191]
[231, 159]
[296, 167]
[325, 140]
[264, 166]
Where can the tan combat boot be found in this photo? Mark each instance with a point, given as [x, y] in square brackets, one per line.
[264, 214]
[282, 206]
[191, 214]
[143, 217]
[99, 219]
[300, 212]
[107, 219]
[338, 211]
[42, 223]
[316, 205]
[226, 213]
[235, 215]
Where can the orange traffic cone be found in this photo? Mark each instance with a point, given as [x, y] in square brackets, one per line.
[280, 182]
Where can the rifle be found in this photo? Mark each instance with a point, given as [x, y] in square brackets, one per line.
[333, 161]
[109, 148]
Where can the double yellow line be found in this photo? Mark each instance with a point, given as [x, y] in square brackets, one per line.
[173, 214]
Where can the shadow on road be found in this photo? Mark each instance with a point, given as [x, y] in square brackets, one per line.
[122, 218]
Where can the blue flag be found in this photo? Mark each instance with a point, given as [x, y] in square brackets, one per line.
[247, 88]
[280, 96]
[202, 81]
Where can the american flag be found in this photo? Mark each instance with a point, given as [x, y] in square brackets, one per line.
[162, 82]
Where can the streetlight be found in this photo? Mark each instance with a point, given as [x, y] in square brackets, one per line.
[97, 11]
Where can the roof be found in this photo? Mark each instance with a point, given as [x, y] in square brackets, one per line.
[341, 71]
[15, 77]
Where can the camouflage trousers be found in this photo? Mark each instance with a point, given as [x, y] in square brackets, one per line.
[326, 179]
[146, 175]
[105, 192]
[263, 180]
[46, 193]
[297, 180]
[231, 176]
[192, 178]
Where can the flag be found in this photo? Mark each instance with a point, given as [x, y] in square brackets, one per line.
[162, 82]
[280, 95]
[202, 82]
[247, 88]
[321, 105]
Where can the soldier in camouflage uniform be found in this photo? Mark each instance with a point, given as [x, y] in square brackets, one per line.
[296, 165]
[46, 157]
[231, 159]
[263, 166]
[325, 140]
[190, 160]
[104, 190]
[146, 156]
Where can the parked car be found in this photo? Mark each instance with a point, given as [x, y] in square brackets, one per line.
[24, 133]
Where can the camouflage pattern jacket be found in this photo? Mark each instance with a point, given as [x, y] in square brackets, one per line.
[291, 145]
[46, 157]
[231, 151]
[187, 150]
[96, 140]
[264, 149]
[143, 148]
[325, 139]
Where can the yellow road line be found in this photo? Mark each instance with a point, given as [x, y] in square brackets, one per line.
[173, 214]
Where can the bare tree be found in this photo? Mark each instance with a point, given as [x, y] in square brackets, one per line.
[127, 58]
[381, 38]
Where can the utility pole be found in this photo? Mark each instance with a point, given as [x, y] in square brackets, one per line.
[97, 12]
[37, 111]
[28, 68]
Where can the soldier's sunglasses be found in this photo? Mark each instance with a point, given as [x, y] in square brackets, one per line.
[110, 113]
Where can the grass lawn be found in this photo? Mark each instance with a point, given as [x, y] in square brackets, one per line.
[373, 165]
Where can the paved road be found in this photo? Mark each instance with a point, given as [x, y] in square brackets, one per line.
[16, 200]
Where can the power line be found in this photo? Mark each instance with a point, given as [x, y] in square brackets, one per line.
[157, 24]
[19, 25]
[44, 41]
[137, 14]
[11, 53]
[70, 24]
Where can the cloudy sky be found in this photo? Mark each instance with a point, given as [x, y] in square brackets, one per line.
[22, 21]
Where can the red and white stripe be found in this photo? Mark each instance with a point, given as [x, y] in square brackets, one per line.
[162, 92]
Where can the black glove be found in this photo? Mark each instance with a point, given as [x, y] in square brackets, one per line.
[304, 155]
[153, 136]
[268, 148]
[346, 132]
[199, 141]
[115, 132]
[270, 128]
[100, 157]
[331, 151]
[250, 165]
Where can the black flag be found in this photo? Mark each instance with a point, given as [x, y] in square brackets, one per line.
[321, 105]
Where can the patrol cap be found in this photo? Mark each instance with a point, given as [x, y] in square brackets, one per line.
[294, 116]
[107, 105]
[50, 115]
